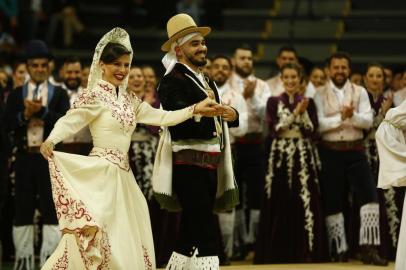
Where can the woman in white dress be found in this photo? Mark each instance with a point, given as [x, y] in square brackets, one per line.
[102, 213]
[390, 139]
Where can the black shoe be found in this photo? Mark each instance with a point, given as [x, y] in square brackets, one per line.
[340, 257]
[371, 256]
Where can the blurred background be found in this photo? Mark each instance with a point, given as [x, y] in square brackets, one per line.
[370, 30]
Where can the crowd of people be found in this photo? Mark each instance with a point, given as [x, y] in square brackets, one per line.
[304, 154]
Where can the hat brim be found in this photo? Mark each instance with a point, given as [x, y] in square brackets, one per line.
[204, 31]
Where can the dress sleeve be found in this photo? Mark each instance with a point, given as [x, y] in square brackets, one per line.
[85, 110]
[146, 114]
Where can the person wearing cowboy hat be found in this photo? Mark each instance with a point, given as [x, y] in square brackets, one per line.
[30, 114]
[193, 169]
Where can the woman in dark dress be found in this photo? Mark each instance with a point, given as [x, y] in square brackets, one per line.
[291, 226]
[390, 200]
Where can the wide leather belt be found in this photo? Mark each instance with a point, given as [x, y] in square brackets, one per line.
[196, 158]
[357, 145]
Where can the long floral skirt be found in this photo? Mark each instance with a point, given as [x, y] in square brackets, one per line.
[291, 228]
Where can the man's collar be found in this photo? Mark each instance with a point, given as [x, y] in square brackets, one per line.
[335, 88]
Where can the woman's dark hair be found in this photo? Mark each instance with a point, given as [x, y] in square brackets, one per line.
[112, 51]
[293, 66]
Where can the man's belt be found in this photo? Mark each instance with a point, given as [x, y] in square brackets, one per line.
[197, 158]
[250, 138]
[33, 150]
[357, 145]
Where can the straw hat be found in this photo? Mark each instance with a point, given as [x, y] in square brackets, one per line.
[179, 26]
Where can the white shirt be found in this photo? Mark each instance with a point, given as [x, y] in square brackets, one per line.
[361, 119]
[234, 99]
[35, 134]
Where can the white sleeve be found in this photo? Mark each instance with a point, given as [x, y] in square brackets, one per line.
[326, 123]
[146, 114]
[260, 99]
[364, 117]
[241, 107]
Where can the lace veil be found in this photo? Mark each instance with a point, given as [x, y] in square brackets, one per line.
[116, 35]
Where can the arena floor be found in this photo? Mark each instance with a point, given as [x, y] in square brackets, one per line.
[355, 265]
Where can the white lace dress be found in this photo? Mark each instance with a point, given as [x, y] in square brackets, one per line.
[101, 211]
[391, 143]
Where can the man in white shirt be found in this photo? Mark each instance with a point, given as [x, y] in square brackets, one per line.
[249, 149]
[344, 112]
[286, 54]
[221, 68]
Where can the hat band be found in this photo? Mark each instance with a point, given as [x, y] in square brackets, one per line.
[189, 27]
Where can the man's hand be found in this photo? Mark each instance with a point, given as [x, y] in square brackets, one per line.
[47, 149]
[249, 88]
[32, 107]
[208, 107]
[347, 112]
[228, 113]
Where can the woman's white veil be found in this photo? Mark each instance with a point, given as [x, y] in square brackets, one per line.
[116, 35]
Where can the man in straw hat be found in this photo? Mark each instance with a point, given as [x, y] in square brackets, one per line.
[193, 169]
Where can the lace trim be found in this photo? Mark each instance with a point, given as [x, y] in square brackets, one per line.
[369, 231]
[115, 156]
[336, 232]
[73, 217]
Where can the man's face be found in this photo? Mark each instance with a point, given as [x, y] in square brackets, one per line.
[194, 51]
[339, 70]
[220, 71]
[286, 57]
[38, 69]
[72, 75]
[243, 62]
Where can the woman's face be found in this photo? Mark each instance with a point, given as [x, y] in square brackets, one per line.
[136, 80]
[291, 80]
[374, 79]
[19, 75]
[317, 77]
[116, 71]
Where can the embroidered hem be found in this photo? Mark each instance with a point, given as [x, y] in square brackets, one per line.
[74, 218]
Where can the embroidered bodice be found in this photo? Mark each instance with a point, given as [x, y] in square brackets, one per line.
[112, 118]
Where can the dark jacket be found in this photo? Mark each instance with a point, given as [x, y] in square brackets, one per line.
[177, 91]
[58, 105]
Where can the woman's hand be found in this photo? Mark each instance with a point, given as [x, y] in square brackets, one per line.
[47, 149]
[301, 107]
[207, 107]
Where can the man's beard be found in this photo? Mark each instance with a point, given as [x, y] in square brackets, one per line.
[337, 83]
[73, 84]
[195, 62]
[220, 82]
[242, 72]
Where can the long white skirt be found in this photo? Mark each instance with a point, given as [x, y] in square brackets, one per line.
[102, 214]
